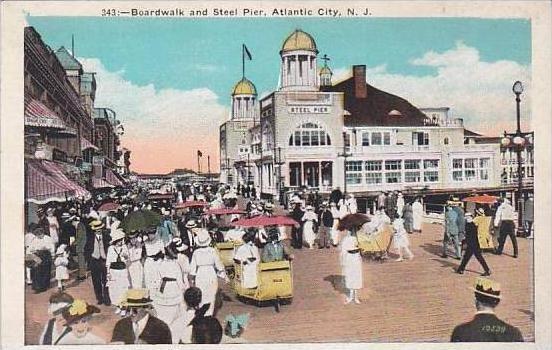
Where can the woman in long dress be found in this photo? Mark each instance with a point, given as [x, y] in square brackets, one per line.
[117, 273]
[53, 225]
[154, 248]
[351, 267]
[418, 213]
[205, 268]
[400, 204]
[247, 255]
[400, 239]
[135, 267]
[309, 219]
[408, 217]
[334, 232]
[42, 248]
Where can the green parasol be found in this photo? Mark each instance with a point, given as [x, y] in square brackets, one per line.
[140, 220]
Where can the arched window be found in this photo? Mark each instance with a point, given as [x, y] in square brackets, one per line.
[446, 140]
[309, 134]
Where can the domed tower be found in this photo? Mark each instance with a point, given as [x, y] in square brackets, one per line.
[298, 71]
[325, 73]
[244, 100]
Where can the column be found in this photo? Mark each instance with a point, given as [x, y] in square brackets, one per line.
[320, 174]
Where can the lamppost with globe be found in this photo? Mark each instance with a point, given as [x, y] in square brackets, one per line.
[517, 142]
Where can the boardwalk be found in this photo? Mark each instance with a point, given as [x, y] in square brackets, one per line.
[409, 301]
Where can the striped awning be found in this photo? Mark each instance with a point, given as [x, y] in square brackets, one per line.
[45, 181]
[38, 115]
[101, 183]
[112, 178]
[85, 144]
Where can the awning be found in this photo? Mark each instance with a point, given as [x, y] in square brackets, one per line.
[45, 182]
[112, 178]
[38, 115]
[101, 183]
[85, 144]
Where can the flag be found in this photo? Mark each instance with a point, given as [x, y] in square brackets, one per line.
[199, 154]
[246, 52]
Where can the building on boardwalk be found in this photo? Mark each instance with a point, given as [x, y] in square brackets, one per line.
[313, 133]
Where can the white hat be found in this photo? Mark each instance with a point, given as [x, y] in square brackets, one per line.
[191, 224]
[309, 207]
[61, 249]
[177, 241]
[117, 234]
[203, 238]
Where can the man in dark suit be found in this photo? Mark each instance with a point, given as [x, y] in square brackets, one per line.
[140, 327]
[95, 251]
[297, 231]
[486, 326]
[472, 242]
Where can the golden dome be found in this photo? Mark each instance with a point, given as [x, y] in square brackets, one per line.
[299, 40]
[325, 70]
[244, 87]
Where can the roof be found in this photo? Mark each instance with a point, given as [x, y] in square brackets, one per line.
[299, 40]
[244, 87]
[67, 60]
[470, 133]
[325, 70]
[375, 108]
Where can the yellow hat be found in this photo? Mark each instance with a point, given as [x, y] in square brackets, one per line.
[136, 298]
[487, 287]
[96, 225]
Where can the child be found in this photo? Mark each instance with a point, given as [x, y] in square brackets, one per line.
[400, 238]
[61, 261]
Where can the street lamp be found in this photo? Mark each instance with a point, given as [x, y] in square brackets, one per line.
[517, 141]
[345, 155]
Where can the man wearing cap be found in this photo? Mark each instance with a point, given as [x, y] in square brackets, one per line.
[473, 248]
[140, 327]
[505, 218]
[485, 325]
[55, 326]
[326, 221]
[188, 237]
[297, 231]
[95, 250]
[80, 243]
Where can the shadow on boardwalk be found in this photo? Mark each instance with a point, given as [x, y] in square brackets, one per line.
[338, 283]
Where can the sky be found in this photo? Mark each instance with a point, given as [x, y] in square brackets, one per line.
[170, 79]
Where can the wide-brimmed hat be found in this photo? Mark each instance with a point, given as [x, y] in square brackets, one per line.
[72, 210]
[178, 244]
[487, 287]
[309, 207]
[96, 225]
[66, 217]
[203, 238]
[137, 297]
[61, 249]
[50, 210]
[481, 211]
[191, 224]
[117, 235]
[78, 310]
[269, 206]
[59, 302]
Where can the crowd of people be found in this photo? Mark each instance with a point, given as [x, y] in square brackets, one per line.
[162, 279]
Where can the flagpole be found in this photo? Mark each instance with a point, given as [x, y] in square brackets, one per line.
[243, 61]
[208, 164]
[198, 167]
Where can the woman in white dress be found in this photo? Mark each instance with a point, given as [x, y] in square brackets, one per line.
[168, 295]
[247, 255]
[135, 266]
[154, 254]
[205, 268]
[334, 232]
[309, 219]
[418, 213]
[400, 239]
[400, 204]
[351, 267]
[61, 262]
[117, 273]
[53, 225]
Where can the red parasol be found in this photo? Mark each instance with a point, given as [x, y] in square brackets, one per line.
[261, 221]
[224, 211]
[484, 199]
[110, 206]
[352, 221]
[160, 196]
[191, 204]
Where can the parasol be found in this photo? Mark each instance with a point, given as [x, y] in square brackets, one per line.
[191, 204]
[224, 211]
[261, 221]
[160, 196]
[484, 199]
[110, 206]
[140, 220]
[352, 221]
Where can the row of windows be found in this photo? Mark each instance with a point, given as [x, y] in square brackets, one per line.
[375, 172]
[376, 138]
[310, 134]
[471, 169]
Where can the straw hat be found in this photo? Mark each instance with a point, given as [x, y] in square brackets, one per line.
[179, 246]
[269, 206]
[96, 225]
[117, 235]
[203, 238]
[191, 224]
[487, 287]
[78, 310]
[61, 249]
[481, 211]
[136, 298]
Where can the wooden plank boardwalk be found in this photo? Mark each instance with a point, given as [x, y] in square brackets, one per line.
[410, 301]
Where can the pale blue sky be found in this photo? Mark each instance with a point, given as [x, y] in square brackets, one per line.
[191, 53]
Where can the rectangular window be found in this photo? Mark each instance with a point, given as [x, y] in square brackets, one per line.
[305, 140]
[431, 163]
[353, 178]
[431, 176]
[373, 178]
[366, 139]
[412, 164]
[314, 139]
[457, 163]
[297, 138]
[376, 138]
[353, 173]
[354, 166]
[412, 176]
[372, 165]
[393, 164]
[322, 138]
[386, 138]
[457, 175]
[470, 163]
[420, 138]
[393, 177]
